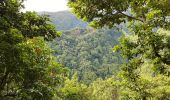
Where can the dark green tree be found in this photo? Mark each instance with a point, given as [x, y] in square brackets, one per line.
[28, 69]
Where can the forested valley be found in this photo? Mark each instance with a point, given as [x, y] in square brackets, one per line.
[99, 50]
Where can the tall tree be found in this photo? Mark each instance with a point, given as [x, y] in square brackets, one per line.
[27, 68]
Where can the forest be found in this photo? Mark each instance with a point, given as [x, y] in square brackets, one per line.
[99, 50]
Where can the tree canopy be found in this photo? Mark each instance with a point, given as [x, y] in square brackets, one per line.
[145, 47]
[109, 12]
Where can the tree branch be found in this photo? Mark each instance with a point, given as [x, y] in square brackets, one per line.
[131, 17]
[3, 80]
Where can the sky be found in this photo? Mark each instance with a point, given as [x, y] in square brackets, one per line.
[45, 5]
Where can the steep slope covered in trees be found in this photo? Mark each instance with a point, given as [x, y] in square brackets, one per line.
[85, 50]
[88, 52]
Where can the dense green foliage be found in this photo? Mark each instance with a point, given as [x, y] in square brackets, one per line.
[98, 90]
[146, 48]
[28, 70]
[88, 52]
[73, 90]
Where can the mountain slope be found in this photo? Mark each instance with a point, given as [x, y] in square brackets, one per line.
[65, 20]
[85, 51]
[88, 52]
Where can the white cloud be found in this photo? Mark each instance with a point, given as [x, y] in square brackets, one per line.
[45, 5]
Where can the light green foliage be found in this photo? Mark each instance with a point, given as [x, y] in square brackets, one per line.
[73, 90]
[98, 90]
[104, 89]
[28, 70]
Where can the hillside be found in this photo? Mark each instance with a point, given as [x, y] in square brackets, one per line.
[65, 20]
[88, 52]
[85, 51]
